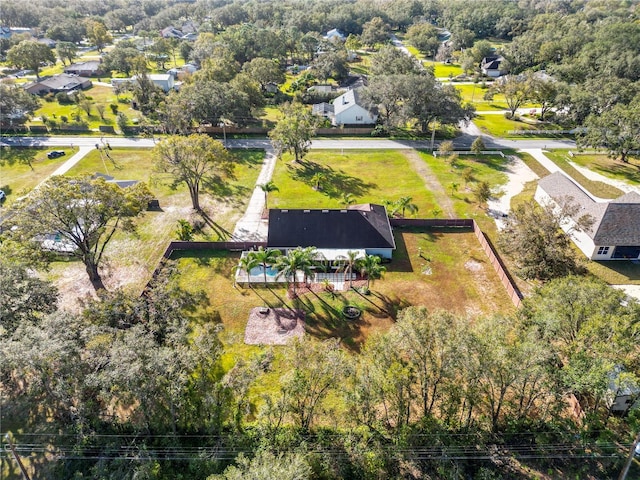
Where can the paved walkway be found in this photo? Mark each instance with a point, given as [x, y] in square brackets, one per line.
[595, 176]
[251, 227]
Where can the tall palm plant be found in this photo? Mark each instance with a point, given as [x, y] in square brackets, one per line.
[404, 203]
[370, 267]
[348, 264]
[266, 258]
[267, 188]
[247, 263]
[297, 259]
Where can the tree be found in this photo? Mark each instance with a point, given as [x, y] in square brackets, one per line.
[97, 34]
[30, 54]
[297, 259]
[266, 465]
[66, 51]
[374, 32]
[546, 92]
[617, 129]
[85, 213]
[348, 264]
[267, 188]
[332, 64]
[391, 61]
[16, 105]
[405, 203]
[197, 161]
[370, 267]
[265, 257]
[248, 263]
[534, 238]
[123, 58]
[516, 90]
[482, 192]
[24, 298]
[424, 37]
[264, 71]
[454, 187]
[478, 145]
[294, 130]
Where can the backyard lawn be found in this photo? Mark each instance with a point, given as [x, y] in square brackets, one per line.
[440, 269]
[17, 178]
[368, 176]
[444, 70]
[484, 168]
[133, 256]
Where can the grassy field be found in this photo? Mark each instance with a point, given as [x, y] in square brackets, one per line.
[366, 175]
[607, 166]
[453, 274]
[99, 95]
[444, 70]
[133, 256]
[17, 178]
[599, 189]
[485, 168]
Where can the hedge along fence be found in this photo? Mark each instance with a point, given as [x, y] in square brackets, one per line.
[468, 152]
[464, 223]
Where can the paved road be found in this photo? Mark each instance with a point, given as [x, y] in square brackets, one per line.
[463, 141]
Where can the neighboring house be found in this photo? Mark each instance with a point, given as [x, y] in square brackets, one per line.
[320, 89]
[271, 87]
[623, 394]
[171, 32]
[348, 110]
[362, 228]
[335, 35]
[190, 37]
[48, 42]
[163, 80]
[323, 109]
[490, 66]
[615, 233]
[59, 83]
[6, 32]
[91, 68]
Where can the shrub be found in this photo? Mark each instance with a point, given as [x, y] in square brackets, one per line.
[64, 119]
[63, 98]
[114, 108]
[49, 97]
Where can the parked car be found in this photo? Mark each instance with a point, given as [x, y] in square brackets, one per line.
[56, 154]
[3, 196]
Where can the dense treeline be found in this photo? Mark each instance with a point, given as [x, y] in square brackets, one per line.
[148, 374]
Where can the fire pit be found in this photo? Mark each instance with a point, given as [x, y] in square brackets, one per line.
[351, 313]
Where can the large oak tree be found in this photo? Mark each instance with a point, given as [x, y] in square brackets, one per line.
[197, 160]
[83, 214]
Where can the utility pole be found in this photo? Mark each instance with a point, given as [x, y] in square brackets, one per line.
[627, 465]
[25, 475]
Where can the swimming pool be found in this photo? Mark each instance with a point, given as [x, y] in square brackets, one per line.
[259, 270]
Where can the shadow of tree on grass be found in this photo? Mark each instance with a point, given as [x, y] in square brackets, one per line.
[334, 184]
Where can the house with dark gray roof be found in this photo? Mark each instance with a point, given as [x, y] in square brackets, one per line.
[333, 232]
[59, 83]
[90, 68]
[615, 232]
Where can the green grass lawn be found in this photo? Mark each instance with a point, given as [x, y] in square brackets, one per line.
[369, 176]
[599, 189]
[485, 168]
[100, 95]
[17, 178]
[444, 70]
[607, 166]
[459, 278]
[133, 256]
[499, 126]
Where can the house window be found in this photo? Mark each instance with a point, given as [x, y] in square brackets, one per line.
[358, 119]
[603, 250]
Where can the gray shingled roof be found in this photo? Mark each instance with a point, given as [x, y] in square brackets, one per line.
[617, 223]
[358, 227]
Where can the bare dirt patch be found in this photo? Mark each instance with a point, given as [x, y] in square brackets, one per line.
[473, 266]
[273, 326]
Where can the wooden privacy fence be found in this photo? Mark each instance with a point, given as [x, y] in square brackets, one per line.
[466, 223]
[463, 223]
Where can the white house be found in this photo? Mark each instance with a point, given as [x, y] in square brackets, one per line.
[348, 110]
[163, 80]
[615, 233]
[490, 66]
[334, 35]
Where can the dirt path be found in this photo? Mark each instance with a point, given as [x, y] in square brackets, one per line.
[431, 182]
